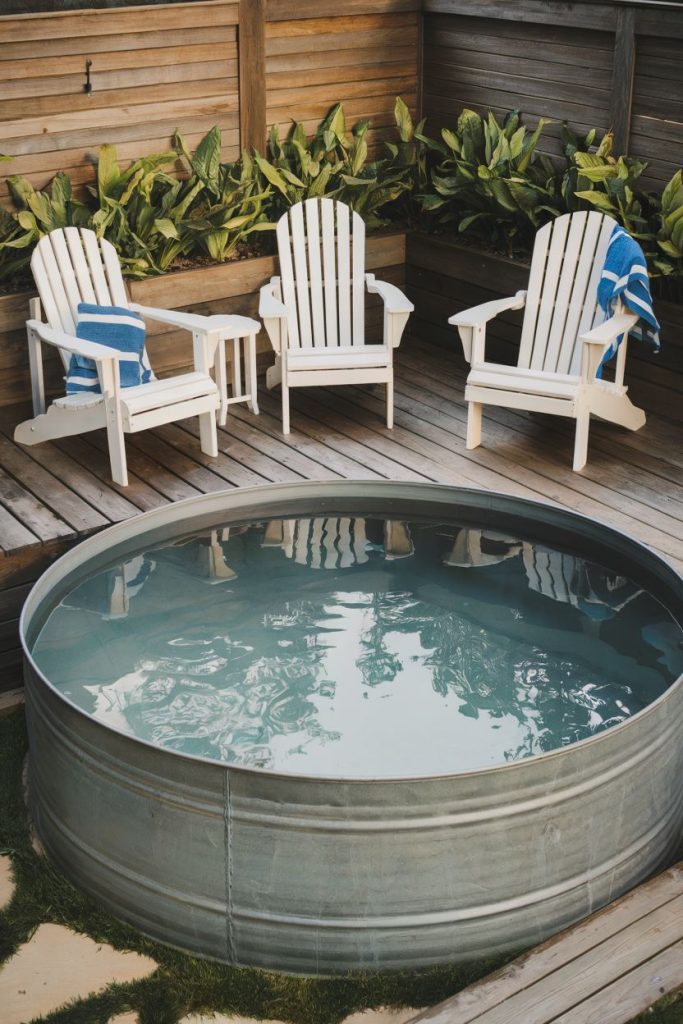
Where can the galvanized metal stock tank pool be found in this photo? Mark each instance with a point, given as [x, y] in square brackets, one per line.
[319, 875]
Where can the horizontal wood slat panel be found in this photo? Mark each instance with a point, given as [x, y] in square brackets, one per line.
[590, 15]
[152, 72]
[657, 122]
[485, 64]
[287, 10]
[174, 16]
[365, 61]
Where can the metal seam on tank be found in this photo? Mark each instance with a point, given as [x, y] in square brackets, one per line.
[229, 932]
[448, 916]
[115, 868]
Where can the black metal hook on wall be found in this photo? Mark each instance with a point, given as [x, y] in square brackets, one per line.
[87, 88]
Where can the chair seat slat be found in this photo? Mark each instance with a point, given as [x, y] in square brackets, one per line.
[329, 272]
[564, 311]
[551, 297]
[74, 244]
[315, 272]
[344, 273]
[287, 281]
[358, 279]
[533, 298]
[298, 235]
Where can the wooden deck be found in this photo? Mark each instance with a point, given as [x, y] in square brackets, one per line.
[52, 495]
[605, 970]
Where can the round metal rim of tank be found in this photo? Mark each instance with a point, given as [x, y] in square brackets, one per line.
[260, 502]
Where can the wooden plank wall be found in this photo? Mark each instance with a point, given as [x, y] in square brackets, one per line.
[178, 65]
[153, 70]
[566, 61]
[365, 53]
[486, 64]
[657, 114]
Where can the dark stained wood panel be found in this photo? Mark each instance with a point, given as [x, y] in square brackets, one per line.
[657, 123]
[482, 63]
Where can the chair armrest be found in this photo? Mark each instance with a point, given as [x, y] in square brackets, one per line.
[78, 346]
[397, 309]
[486, 311]
[187, 321]
[610, 329]
[274, 314]
[471, 324]
[393, 298]
[269, 305]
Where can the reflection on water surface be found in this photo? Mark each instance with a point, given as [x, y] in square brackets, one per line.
[360, 647]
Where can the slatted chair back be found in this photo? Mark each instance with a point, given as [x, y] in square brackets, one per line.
[561, 304]
[321, 245]
[71, 266]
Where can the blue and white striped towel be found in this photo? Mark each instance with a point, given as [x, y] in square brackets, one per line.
[624, 278]
[116, 327]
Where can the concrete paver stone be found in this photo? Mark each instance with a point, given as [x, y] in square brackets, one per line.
[381, 1016]
[6, 881]
[57, 966]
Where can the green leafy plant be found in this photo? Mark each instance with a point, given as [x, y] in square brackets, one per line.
[139, 209]
[39, 212]
[601, 181]
[668, 228]
[231, 207]
[409, 161]
[330, 164]
[493, 182]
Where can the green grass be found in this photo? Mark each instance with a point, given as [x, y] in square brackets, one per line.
[182, 984]
[668, 1010]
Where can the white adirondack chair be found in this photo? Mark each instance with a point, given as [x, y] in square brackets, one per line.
[563, 338]
[314, 312]
[70, 266]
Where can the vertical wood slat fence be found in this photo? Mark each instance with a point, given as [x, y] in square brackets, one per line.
[596, 65]
[240, 64]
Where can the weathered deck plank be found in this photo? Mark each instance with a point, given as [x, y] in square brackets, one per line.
[604, 970]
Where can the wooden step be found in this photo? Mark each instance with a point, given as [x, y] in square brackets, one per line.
[604, 970]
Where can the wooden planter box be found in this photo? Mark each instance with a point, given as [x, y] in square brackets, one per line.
[443, 277]
[226, 288]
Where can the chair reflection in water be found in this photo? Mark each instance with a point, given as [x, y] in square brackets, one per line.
[595, 590]
[336, 542]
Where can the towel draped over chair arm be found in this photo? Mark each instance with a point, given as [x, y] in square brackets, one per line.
[598, 340]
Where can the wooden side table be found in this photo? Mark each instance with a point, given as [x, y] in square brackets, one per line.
[241, 331]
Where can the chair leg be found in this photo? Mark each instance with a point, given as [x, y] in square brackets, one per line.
[117, 450]
[581, 439]
[390, 404]
[208, 434]
[252, 379]
[474, 410]
[285, 408]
